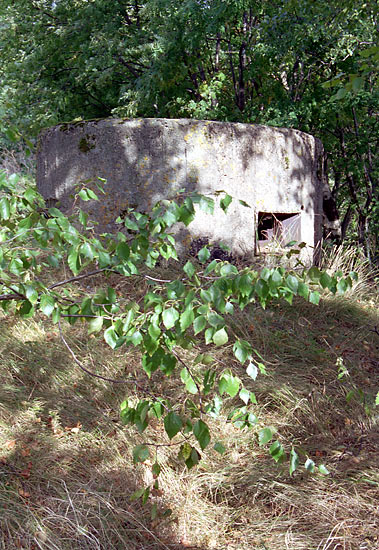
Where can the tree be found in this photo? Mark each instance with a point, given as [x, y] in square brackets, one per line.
[175, 314]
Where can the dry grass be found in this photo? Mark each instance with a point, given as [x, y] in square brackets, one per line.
[65, 463]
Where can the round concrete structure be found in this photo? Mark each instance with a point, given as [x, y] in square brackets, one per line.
[274, 170]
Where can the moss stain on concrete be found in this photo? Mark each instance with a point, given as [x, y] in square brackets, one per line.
[87, 143]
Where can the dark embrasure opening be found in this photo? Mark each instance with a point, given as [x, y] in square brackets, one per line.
[278, 228]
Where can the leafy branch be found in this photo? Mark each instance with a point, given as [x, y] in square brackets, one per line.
[174, 314]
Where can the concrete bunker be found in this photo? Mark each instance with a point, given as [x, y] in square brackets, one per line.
[276, 171]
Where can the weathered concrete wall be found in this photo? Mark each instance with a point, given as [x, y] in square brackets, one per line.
[143, 160]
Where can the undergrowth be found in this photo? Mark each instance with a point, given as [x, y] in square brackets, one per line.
[66, 471]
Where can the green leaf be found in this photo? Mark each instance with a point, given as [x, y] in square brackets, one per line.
[342, 286]
[145, 495]
[186, 215]
[342, 92]
[210, 267]
[187, 318]
[276, 278]
[128, 320]
[141, 453]
[244, 395]
[325, 280]
[208, 335]
[241, 350]
[219, 447]
[229, 384]
[309, 465]
[73, 261]
[220, 337]
[206, 204]
[130, 224]
[215, 320]
[175, 289]
[292, 283]
[314, 298]
[135, 338]
[203, 255]
[31, 294]
[358, 82]
[170, 316]
[111, 337]
[193, 459]
[137, 494]
[225, 202]
[262, 289]
[244, 284]
[314, 274]
[104, 259]
[56, 315]
[172, 424]
[122, 251]
[156, 469]
[188, 381]
[377, 399]
[168, 364]
[199, 324]
[189, 269]
[294, 461]
[303, 290]
[265, 435]
[16, 266]
[87, 250]
[185, 451]
[95, 325]
[84, 195]
[228, 269]
[4, 208]
[47, 304]
[154, 331]
[277, 452]
[252, 370]
[26, 310]
[323, 470]
[83, 218]
[55, 213]
[201, 432]
[92, 195]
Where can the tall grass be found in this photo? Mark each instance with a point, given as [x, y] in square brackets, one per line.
[66, 470]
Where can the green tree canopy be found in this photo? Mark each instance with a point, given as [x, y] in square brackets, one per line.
[303, 64]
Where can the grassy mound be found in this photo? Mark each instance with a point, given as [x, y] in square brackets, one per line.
[66, 472]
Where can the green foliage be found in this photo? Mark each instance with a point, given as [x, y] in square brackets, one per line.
[173, 316]
[306, 65]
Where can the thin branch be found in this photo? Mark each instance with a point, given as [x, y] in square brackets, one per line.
[105, 378]
[79, 277]
[20, 296]
[156, 445]
[83, 316]
[156, 280]
[4, 297]
[193, 378]
[83, 368]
